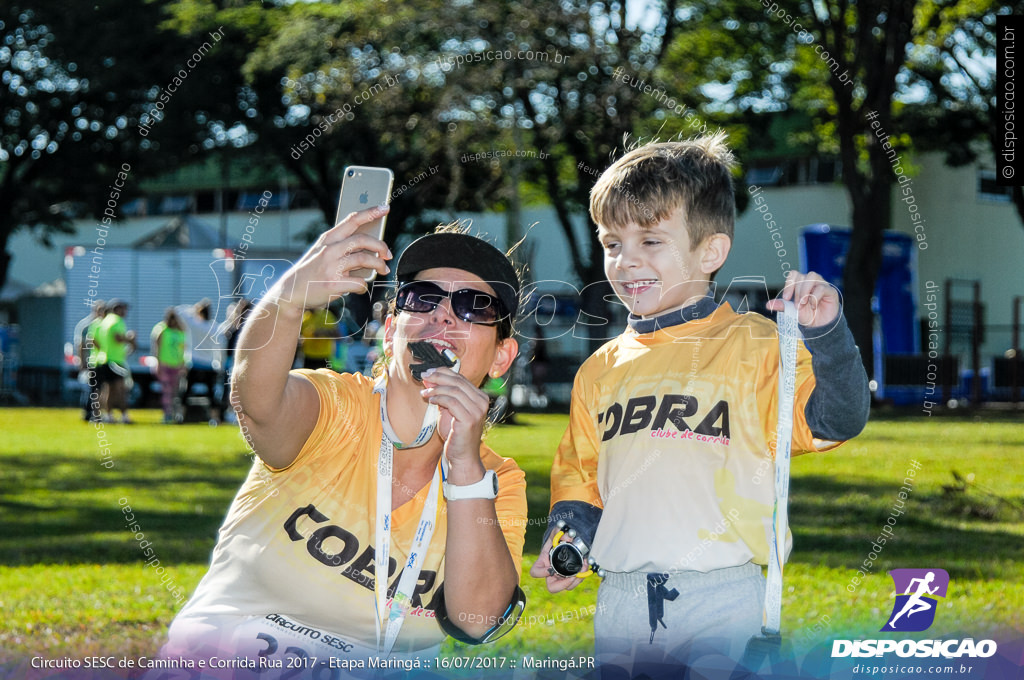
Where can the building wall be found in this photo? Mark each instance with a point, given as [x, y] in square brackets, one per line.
[968, 237]
[785, 211]
[962, 235]
[41, 342]
[35, 264]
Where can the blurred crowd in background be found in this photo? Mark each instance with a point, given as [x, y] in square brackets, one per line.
[191, 356]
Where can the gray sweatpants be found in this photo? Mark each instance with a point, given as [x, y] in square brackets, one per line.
[693, 614]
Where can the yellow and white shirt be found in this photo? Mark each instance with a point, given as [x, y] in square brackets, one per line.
[297, 546]
[672, 434]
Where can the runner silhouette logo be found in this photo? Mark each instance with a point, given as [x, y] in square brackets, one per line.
[917, 591]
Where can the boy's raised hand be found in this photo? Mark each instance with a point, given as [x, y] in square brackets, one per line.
[817, 300]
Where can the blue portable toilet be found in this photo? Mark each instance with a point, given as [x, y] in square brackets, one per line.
[823, 249]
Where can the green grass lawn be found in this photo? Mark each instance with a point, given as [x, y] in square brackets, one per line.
[73, 582]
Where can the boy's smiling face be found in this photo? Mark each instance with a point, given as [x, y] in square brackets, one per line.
[653, 270]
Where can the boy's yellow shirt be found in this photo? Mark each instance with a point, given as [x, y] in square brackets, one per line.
[671, 433]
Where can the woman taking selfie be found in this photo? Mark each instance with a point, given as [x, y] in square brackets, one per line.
[355, 476]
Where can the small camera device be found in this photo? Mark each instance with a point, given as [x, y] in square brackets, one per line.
[572, 558]
[429, 357]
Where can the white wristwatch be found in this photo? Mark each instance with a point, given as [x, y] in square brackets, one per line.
[485, 488]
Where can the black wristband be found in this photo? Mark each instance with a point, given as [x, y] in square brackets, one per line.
[502, 625]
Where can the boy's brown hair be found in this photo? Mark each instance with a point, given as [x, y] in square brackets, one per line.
[650, 182]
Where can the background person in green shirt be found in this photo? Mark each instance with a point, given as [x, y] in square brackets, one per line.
[114, 339]
[86, 353]
[168, 343]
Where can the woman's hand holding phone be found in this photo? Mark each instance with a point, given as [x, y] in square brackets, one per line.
[333, 265]
[362, 187]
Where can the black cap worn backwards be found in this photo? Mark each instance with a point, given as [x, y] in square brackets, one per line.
[469, 253]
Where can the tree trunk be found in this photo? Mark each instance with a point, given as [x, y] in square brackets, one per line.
[878, 61]
[871, 195]
[5, 263]
[863, 263]
[594, 304]
[8, 220]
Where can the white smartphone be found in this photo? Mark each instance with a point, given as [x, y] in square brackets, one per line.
[364, 187]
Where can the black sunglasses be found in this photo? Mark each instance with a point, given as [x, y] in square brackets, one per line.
[474, 306]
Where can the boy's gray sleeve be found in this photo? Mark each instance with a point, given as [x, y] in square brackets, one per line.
[838, 407]
[583, 517]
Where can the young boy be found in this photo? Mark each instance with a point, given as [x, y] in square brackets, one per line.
[665, 470]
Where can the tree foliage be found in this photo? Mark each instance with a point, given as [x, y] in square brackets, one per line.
[320, 86]
[74, 91]
[450, 91]
[950, 61]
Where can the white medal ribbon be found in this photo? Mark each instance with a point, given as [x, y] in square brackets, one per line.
[402, 600]
[789, 332]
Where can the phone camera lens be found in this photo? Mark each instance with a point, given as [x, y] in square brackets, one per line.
[351, 172]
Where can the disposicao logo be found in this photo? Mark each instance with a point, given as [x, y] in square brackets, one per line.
[917, 591]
